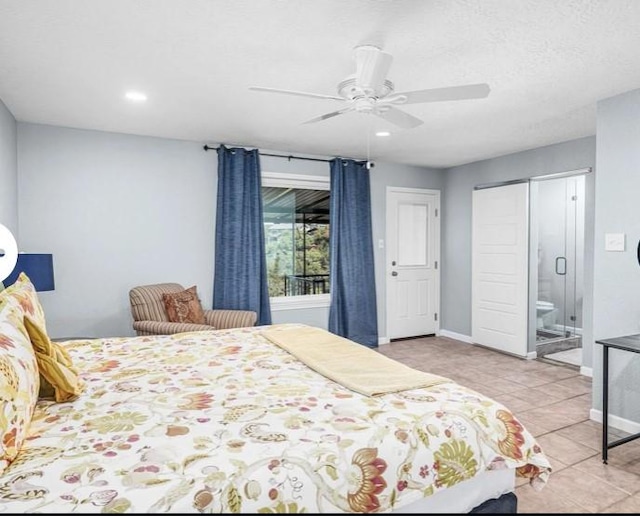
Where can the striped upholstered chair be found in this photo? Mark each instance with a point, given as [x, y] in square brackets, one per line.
[150, 317]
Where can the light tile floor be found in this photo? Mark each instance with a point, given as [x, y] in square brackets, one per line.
[553, 403]
[569, 356]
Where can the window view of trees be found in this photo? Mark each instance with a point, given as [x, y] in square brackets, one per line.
[296, 241]
[297, 250]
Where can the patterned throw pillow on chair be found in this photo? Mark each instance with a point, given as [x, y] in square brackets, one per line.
[184, 307]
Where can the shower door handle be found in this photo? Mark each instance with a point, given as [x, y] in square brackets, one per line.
[564, 266]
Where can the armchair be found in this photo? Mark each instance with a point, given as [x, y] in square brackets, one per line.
[150, 317]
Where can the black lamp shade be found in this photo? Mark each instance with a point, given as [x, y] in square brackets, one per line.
[39, 268]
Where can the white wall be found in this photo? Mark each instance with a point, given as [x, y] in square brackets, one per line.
[116, 211]
[617, 274]
[8, 171]
[383, 175]
[456, 223]
[120, 210]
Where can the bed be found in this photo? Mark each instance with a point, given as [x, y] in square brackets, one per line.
[228, 421]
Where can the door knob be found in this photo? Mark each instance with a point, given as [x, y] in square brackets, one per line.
[394, 273]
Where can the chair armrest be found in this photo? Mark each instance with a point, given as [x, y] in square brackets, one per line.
[224, 319]
[167, 328]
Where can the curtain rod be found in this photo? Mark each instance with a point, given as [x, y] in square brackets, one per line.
[288, 156]
[370, 164]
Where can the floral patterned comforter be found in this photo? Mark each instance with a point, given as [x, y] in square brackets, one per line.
[227, 421]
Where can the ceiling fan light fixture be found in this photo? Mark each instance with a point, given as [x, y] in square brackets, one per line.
[135, 96]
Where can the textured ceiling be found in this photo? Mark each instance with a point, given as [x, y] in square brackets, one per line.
[69, 63]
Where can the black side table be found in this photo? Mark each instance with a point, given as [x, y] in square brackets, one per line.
[629, 343]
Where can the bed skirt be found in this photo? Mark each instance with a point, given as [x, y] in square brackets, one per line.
[506, 504]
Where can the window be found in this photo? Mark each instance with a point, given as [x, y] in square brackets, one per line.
[296, 223]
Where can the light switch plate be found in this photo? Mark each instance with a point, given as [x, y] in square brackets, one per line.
[614, 242]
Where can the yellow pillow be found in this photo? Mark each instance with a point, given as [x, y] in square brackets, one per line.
[58, 378]
[19, 380]
[55, 365]
[24, 294]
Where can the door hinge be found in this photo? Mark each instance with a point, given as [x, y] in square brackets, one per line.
[574, 197]
[572, 318]
[435, 316]
[436, 264]
[436, 212]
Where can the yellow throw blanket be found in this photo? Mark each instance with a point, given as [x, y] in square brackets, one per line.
[350, 364]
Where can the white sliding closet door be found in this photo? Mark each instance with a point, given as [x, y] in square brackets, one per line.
[500, 268]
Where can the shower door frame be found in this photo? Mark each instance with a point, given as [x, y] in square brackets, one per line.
[533, 257]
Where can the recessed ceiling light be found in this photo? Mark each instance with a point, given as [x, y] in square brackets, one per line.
[135, 96]
[383, 133]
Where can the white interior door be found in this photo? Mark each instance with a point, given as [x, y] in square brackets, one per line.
[413, 237]
[500, 268]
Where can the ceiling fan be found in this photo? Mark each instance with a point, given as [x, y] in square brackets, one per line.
[369, 91]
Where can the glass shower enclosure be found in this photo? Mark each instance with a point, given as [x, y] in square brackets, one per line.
[557, 247]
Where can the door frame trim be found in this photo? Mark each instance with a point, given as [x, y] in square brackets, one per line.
[387, 270]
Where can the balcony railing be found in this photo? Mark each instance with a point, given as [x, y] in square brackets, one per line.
[302, 285]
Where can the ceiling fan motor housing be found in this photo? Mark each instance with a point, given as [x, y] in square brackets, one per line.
[350, 90]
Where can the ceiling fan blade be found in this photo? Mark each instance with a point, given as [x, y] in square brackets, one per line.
[468, 91]
[298, 93]
[329, 115]
[399, 117]
[372, 66]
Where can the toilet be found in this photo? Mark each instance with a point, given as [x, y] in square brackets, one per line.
[545, 317]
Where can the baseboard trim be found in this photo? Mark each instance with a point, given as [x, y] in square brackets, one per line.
[620, 423]
[456, 336]
[383, 340]
[586, 371]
